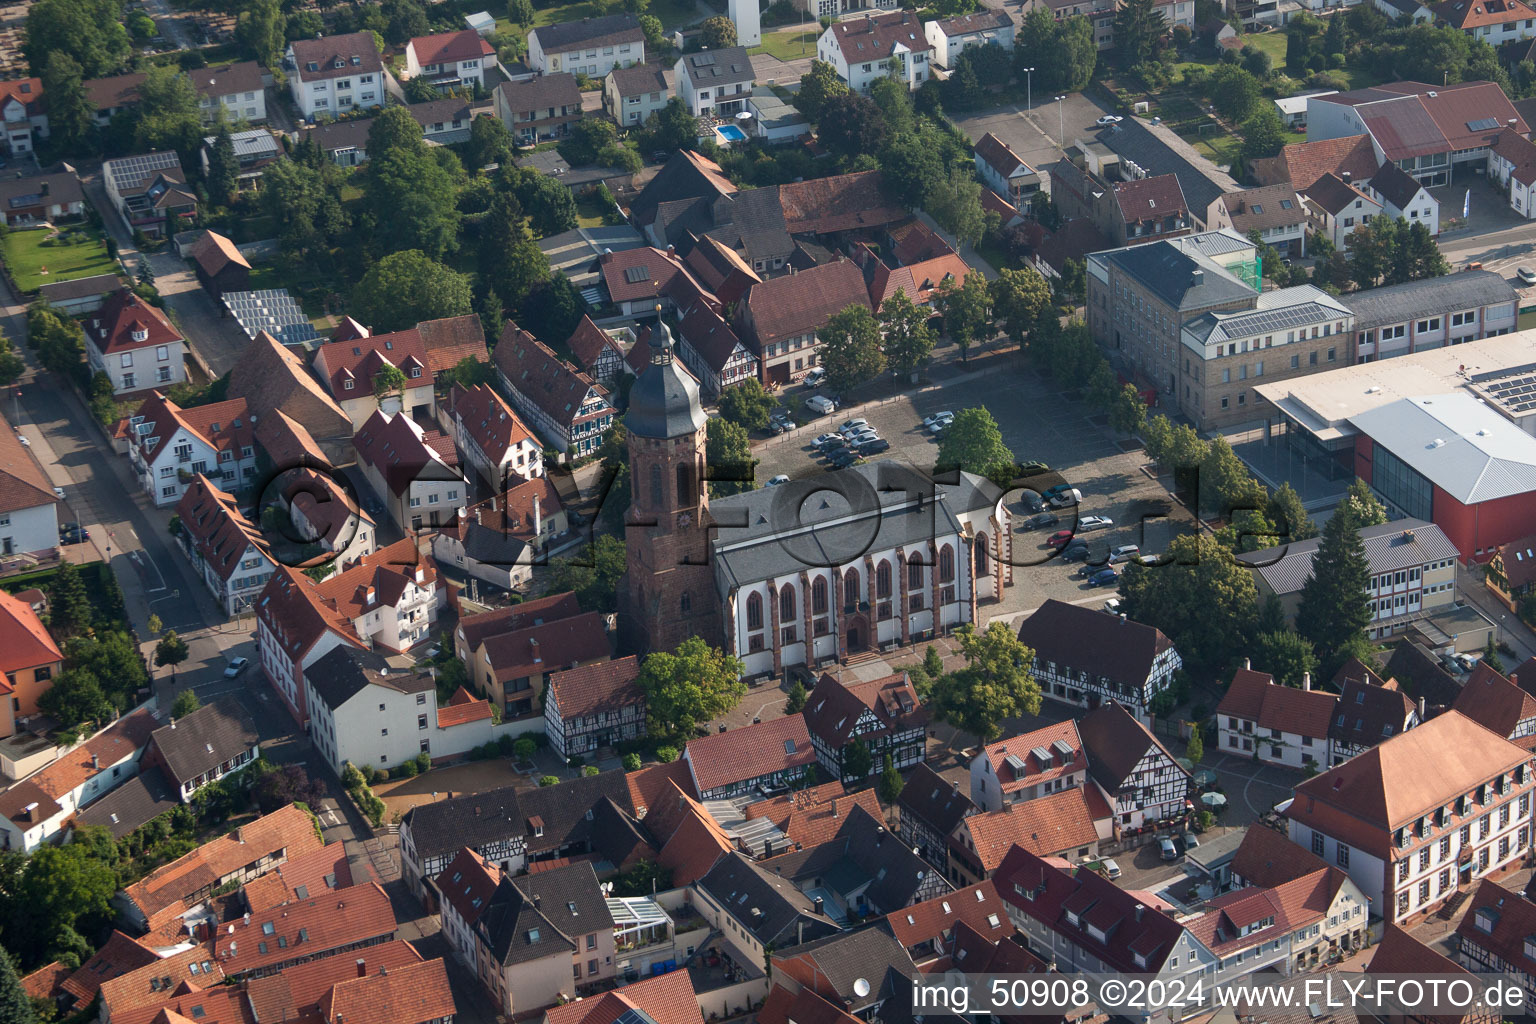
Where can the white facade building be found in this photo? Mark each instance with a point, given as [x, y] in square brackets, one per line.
[450, 60]
[876, 46]
[591, 46]
[950, 37]
[335, 75]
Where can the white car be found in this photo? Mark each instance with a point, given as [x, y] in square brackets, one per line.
[821, 405]
[1067, 498]
[1123, 553]
[1108, 119]
[823, 440]
[815, 377]
[23, 439]
[1526, 275]
[1095, 523]
[938, 421]
[776, 481]
[236, 666]
[1113, 605]
[851, 427]
[863, 437]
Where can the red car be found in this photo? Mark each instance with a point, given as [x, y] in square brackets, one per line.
[1059, 538]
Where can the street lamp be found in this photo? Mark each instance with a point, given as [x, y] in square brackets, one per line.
[1061, 124]
[1029, 86]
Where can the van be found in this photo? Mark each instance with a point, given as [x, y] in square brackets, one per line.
[820, 405]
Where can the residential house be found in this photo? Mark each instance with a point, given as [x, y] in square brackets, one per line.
[1414, 819]
[781, 316]
[540, 108]
[473, 630]
[667, 999]
[80, 296]
[931, 930]
[631, 95]
[1370, 709]
[754, 909]
[931, 808]
[513, 828]
[461, 893]
[829, 969]
[883, 715]
[1425, 129]
[134, 344]
[1085, 657]
[1400, 319]
[219, 265]
[1277, 724]
[247, 852]
[805, 817]
[721, 270]
[29, 503]
[591, 46]
[1302, 163]
[255, 150]
[450, 60]
[274, 380]
[39, 807]
[770, 755]
[335, 75]
[1293, 109]
[451, 340]
[1067, 825]
[446, 122]
[228, 550]
[1512, 163]
[361, 375]
[1497, 935]
[513, 666]
[415, 472]
[41, 199]
[1401, 195]
[1413, 573]
[112, 96]
[214, 742]
[1003, 170]
[387, 600]
[570, 411]
[711, 350]
[1145, 784]
[1491, 21]
[715, 83]
[950, 37]
[600, 353]
[324, 515]
[169, 447]
[30, 659]
[920, 281]
[1132, 148]
[135, 803]
[78, 986]
[1512, 572]
[875, 46]
[594, 706]
[498, 445]
[236, 88]
[1146, 208]
[499, 540]
[1496, 703]
[1028, 766]
[1276, 212]
[150, 192]
[25, 112]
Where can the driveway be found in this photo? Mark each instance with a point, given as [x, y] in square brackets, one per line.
[1036, 133]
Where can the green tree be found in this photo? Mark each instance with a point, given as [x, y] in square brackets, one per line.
[553, 308]
[1127, 412]
[186, 703]
[15, 1004]
[746, 404]
[967, 310]
[1139, 25]
[1225, 483]
[549, 204]
[468, 372]
[594, 577]
[858, 762]
[956, 205]
[1018, 297]
[1289, 516]
[1286, 655]
[405, 288]
[653, 29]
[64, 885]
[818, 86]
[996, 683]
[588, 137]
[973, 443]
[671, 128]
[223, 166]
[112, 657]
[795, 702]
[403, 20]
[75, 698]
[154, 623]
[895, 102]
[299, 197]
[261, 30]
[1491, 655]
[728, 452]
[1333, 608]
[1362, 505]
[718, 32]
[408, 193]
[89, 31]
[909, 170]
[1263, 134]
[908, 338]
[850, 126]
[71, 114]
[850, 348]
[170, 113]
[520, 12]
[1423, 254]
[693, 684]
[489, 141]
[1234, 92]
[891, 783]
[12, 366]
[1196, 749]
[390, 380]
[509, 259]
[69, 605]
[1203, 600]
[171, 650]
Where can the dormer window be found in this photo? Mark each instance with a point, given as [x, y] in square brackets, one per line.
[339, 63]
[142, 334]
[312, 66]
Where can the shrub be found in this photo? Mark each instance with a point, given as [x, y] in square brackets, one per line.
[590, 770]
[631, 762]
[523, 749]
[351, 778]
[382, 775]
[408, 770]
[423, 762]
[577, 761]
[550, 780]
[505, 746]
[666, 755]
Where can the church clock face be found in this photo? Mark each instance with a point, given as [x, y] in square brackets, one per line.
[684, 519]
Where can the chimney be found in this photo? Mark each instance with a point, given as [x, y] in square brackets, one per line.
[372, 595]
[816, 904]
[1346, 176]
[1196, 278]
[46, 187]
[533, 643]
[538, 517]
[1407, 536]
[1247, 664]
[1122, 618]
[1423, 707]
[27, 810]
[1306, 680]
[362, 968]
[1141, 908]
[95, 763]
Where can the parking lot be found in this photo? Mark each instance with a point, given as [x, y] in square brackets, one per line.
[1037, 423]
[1036, 134]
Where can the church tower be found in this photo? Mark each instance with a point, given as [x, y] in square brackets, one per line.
[669, 589]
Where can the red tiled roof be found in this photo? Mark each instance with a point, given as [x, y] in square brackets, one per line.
[1047, 825]
[217, 528]
[639, 273]
[1150, 198]
[362, 359]
[783, 307]
[120, 955]
[295, 994]
[111, 329]
[118, 742]
[416, 992]
[117, 91]
[476, 628]
[874, 38]
[451, 340]
[1268, 858]
[650, 785]
[1255, 696]
[1302, 163]
[588, 342]
[1414, 119]
[549, 382]
[402, 452]
[450, 47]
[802, 1007]
[833, 709]
[327, 922]
[1035, 772]
[997, 154]
[813, 816]
[932, 920]
[1493, 702]
[22, 481]
[548, 647]
[45, 982]
[1513, 921]
[691, 840]
[336, 56]
[24, 642]
[602, 686]
[462, 707]
[841, 202]
[488, 419]
[751, 752]
[287, 442]
[705, 331]
[1333, 194]
[213, 252]
[720, 268]
[223, 426]
[467, 883]
[916, 242]
[918, 280]
[27, 91]
[1398, 952]
[667, 999]
[1520, 151]
[325, 505]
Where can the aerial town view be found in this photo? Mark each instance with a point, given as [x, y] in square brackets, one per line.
[767, 511]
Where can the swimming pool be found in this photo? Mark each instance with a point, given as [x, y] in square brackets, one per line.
[730, 133]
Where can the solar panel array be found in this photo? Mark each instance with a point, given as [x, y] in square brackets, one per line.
[131, 170]
[1483, 124]
[1518, 393]
[272, 310]
[635, 274]
[1267, 320]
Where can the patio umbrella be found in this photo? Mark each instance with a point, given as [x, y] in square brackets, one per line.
[1186, 764]
[1213, 800]
[1205, 777]
[745, 115]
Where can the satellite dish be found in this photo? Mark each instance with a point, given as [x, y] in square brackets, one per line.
[861, 987]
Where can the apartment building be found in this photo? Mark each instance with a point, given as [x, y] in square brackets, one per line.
[498, 446]
[450, 60]
[893, 45]
[414, 471]
[1277, 724]
[334, 75]
[170, 447]
[950, 37]
[539, 108]
[134, 344]
[1404, 318]
[591, 46]
[226, 548]
[1029, 766]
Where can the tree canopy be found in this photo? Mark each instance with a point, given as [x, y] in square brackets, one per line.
[1202, 600]
[973, 443]
[996, 683]
[90, 31]
[850, 348]
[405, 288]
[691, 685]
[908, 338]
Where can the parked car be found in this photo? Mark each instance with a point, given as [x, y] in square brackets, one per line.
[1111, 868]
[845, 458]
[824, 441]
[1042, 520]
[1526, 275]
[776, 481]
[1075, 553]
[1103, 578]
[236, 666]
[1095, 523]
[1190, 842]
[1033, 468]
[1067, 498]
[1109, 119]
[816, 376]
[863, 437]
[1032, 502]
[73, 533]
[1170, 852]
[853, 427]
[1123, 553]
[873, 446]
[821, 405]
[938, 421]
[1113, 605]
[1060, 538]
[1051, 492]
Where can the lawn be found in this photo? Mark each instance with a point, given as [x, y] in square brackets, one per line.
[589, 212]
[673, 13]
[27, 258]
[1272, 43]
[1220, 149]
[790, 44]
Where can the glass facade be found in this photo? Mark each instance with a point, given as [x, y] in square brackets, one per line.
[1401, 485]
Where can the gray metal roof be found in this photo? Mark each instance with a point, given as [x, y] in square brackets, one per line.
[664, 401]
[1167, 270]
[253, 144]
[838, 518]
[1134, 141]
[1388, 548]
[1398, 303]
[1284, 309]
[1457, 443]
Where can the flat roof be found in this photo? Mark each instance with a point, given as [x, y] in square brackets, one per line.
[1324, 403]
[1457, 443]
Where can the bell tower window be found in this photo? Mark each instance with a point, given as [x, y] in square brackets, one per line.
[684, 485]
[656, 495]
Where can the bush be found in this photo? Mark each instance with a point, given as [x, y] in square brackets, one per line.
[408, 770]
[382, 775]
[505, 746]
[550, 780]
[666, 755]
[576, 761]
[423, 762]
[631, 762]
[590, 770]
[523, 749]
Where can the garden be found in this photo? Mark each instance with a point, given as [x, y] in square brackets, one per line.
[40, 256]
